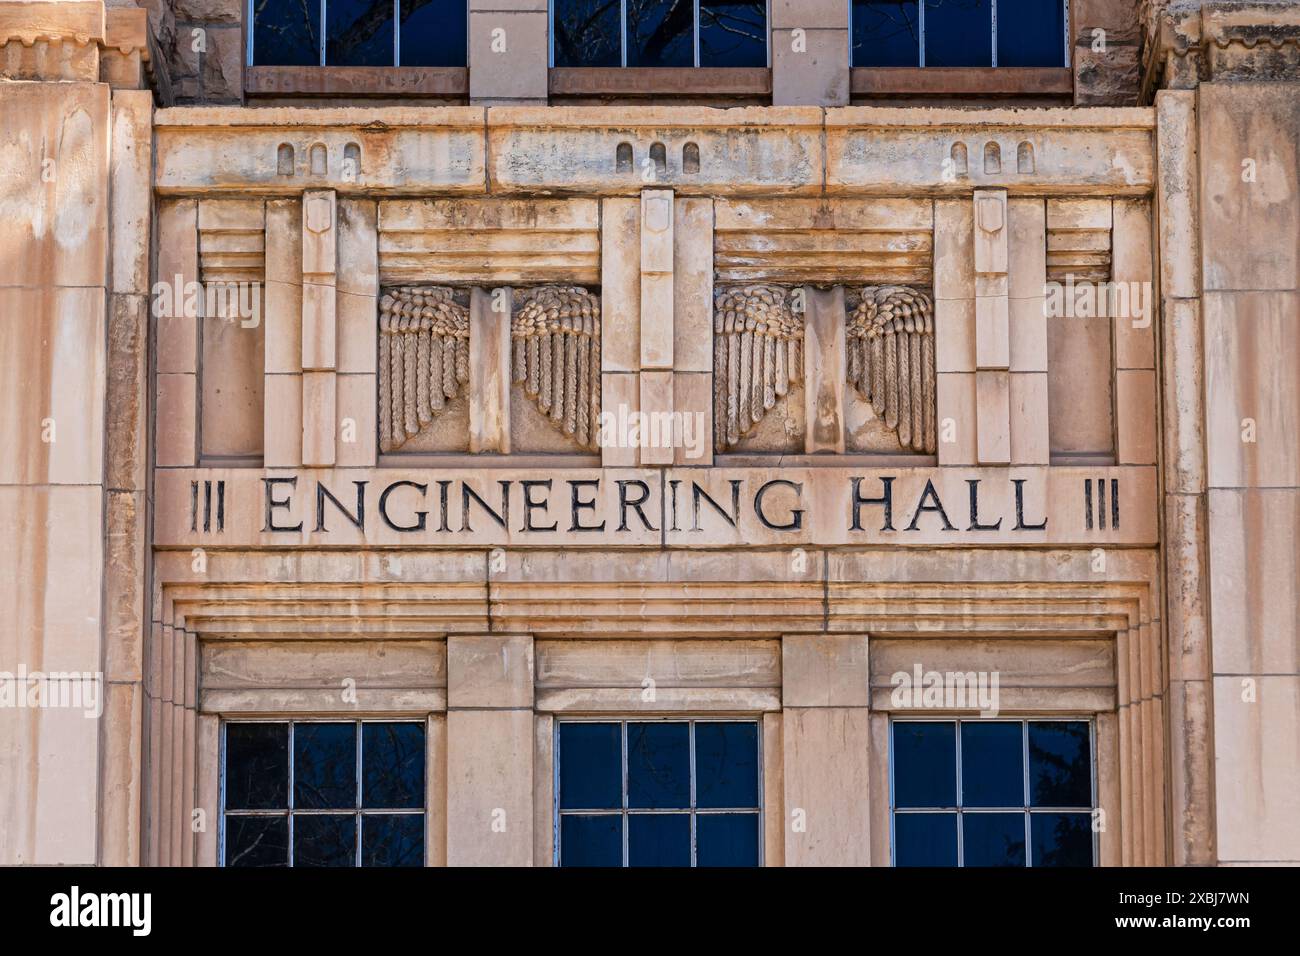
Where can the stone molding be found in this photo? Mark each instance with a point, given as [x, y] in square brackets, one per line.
[1188, 42]
[697, 151]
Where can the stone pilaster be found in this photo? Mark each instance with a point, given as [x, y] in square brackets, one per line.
[56, 497]
[1228, 118]
[810, 53]
[826, 749]
[509, 51]
[490, 750]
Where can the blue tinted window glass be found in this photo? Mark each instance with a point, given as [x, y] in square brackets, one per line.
[886, 33]
[992, 764]
[1031, 33]
[1061, 839]
[993, 839]
[586, 32]
[359, 33]
[925, 764]
[434, 32]
[257, 841]
[726, 839]
[958, 33]
[257, 766]
[286, 32]
[392, 839]
[659, 839]
[392, 765]
[324, 840]
[660, 33]
[591, 841]
[658, 766]
[733, 34]
[925, 839]
[726, 765]
[591, 767]
[1060, 764]
[324, 766]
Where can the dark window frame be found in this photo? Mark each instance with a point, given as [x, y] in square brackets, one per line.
[1028, 810]
[624, 811]
[1067, 50]
[874, 83]
[550, 43]
[251, 31]
[290, 811]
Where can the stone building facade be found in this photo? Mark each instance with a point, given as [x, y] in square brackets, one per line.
[787, 408]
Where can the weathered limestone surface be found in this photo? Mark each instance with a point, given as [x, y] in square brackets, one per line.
[1111, 532]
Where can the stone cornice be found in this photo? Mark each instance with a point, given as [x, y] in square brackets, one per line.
[751, 151]
[1191, 41]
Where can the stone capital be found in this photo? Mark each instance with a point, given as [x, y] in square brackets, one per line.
[1190, 41]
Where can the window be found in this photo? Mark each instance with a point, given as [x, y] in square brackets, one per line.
[657, 793]
[658, 33]
[992, 793]
[358, 32]
[323, 793]
[959, 33]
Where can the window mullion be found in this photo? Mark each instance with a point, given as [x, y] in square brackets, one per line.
[696, 25]
[920, 27]
[993, 18]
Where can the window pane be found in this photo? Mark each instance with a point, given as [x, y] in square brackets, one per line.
[392, 757]
[320, 840]
[286, 32]
[257, 766]
[659, 839]
[434, 32]
[591, 841]
[1061, 839]
[992, 764]
[324, 766]
[925, 764]
[392, 839]
[958, 33]
[257, 841]
[993, 839]
[726, 765]
[660, 33]
[726, 839]
[587, 32]
[591, 767]
[359, 33]
[925, 839]
[733, 34]
[1060, 764]
[1031, 33]
[886, 33]
[658, 766]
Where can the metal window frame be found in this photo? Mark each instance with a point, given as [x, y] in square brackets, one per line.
[623, 812]
[358, 812]
[1027, 811]
[397, 32]
[622, 33]
[993, 62]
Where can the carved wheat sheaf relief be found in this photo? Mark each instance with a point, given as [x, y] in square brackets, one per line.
[555, 336]
[423, 359]
[757, 356]
[890, 342]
